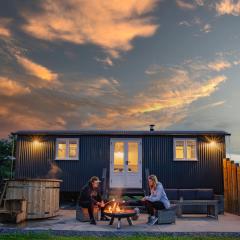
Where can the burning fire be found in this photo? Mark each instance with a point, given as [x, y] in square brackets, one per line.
[115, 208]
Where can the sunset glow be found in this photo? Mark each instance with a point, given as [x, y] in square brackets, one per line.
[73, 64]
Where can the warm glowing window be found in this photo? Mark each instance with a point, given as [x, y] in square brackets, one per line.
[62, 150]
[67, 149]
[118, 156]
[191, 149]
[179, 150]
[132, 157]
[73, 147]
[185, 149]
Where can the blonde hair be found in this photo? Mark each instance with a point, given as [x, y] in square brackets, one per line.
[155, 181]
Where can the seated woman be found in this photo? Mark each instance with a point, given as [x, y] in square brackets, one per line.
[157, 200]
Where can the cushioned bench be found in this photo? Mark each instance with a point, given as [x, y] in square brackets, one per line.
[195, 194]
[212, 206]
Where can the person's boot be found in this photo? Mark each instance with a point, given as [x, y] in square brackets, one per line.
[153, 220]
[93, 222]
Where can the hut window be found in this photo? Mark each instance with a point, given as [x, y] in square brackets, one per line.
[185, 149]
[118, 156]
[67, 149]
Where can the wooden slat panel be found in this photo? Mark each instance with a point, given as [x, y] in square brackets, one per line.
[229, 190]
[234, 187]
[42, 196]
[225, 179]
[238, 187]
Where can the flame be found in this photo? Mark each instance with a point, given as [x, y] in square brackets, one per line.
[118, 209]
[115, 208]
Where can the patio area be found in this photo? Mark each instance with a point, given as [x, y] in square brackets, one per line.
[66, 224]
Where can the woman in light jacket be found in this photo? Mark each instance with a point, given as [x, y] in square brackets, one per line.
[157, 200]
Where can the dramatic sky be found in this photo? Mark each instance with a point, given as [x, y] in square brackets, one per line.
[89, 64]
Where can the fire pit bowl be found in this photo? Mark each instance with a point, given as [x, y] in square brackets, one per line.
[121, 213]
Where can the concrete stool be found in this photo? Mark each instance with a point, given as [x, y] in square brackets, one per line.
[167, 216]
[82, 214]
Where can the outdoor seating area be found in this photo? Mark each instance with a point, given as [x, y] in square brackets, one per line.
[190, 202]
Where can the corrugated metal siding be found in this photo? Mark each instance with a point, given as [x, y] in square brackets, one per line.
[37, 161]
[94, 155]
[204, 173]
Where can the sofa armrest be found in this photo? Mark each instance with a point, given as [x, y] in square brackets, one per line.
[220, 199]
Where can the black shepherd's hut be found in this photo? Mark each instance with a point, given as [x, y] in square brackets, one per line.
[180, 159]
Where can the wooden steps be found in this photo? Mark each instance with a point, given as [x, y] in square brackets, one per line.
[14, 211]
[3, 189]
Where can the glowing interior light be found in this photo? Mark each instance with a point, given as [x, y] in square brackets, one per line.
[118, 155]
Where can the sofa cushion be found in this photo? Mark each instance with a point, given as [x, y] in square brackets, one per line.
[205, 194]
[188, 194]
[172, 193]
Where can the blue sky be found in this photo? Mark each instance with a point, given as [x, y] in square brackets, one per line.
[77, 64]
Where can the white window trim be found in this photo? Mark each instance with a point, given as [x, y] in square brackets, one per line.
[185, 149]
[67, 140]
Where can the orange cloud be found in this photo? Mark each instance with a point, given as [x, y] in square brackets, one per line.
[15, 116]
[3, 111]
[4, 32]
[36, 70]
[219, 65]
[228, 7]
[165, 100]
[21, 121]
[4, 27]
[95, 88]
[186, 5]
[10, 88]
[109, 24]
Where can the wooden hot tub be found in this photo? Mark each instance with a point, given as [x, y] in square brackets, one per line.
[42, 196]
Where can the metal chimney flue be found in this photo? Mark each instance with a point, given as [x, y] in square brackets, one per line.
[151, 127]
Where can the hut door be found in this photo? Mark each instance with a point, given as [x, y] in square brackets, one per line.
[126, 163]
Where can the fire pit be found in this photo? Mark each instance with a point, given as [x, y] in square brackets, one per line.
[118, 211]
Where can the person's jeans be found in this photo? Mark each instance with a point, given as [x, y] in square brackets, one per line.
[152, 206]
[90, 206]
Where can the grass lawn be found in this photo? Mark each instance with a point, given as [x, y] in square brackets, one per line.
[51, 237]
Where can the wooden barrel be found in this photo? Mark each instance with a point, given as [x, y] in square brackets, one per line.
[42, 196]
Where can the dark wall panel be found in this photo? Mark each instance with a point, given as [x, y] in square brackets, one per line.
[204, 173]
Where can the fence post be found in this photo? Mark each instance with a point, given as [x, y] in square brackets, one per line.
[229, 184]
[225, 184]
[238, 187]
[234, 188]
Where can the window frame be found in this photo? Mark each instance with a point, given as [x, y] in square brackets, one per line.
[67, 141]
[185, 159]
